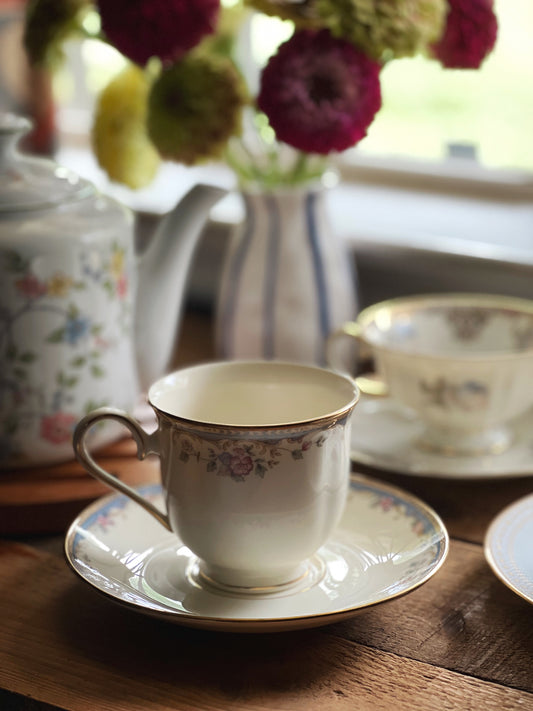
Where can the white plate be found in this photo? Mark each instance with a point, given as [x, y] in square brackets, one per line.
[509, 547]
[383, 436]
[387, 544]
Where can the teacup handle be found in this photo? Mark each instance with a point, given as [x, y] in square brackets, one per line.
[146, 444]
[368, 384]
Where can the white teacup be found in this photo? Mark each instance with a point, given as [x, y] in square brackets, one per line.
[462, 362]
[254, 464]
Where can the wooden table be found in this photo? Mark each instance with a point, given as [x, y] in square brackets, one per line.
[461, 641]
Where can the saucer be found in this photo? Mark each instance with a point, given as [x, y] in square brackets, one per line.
[386, 544]
[383, 436]
[508, 548]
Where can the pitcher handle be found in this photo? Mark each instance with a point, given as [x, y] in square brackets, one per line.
[369, 384]
[145, 445]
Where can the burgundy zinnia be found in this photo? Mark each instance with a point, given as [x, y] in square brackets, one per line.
[469, 35]
[319, 92]
[141, 29]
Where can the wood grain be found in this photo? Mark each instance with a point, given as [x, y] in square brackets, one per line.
[64, 644]
[463, 619]
[461, 642]
[43, 500]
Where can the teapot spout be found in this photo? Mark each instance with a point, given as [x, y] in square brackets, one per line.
[162, 277]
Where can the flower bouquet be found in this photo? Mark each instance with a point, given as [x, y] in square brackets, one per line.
[183, 96]
[286, 283]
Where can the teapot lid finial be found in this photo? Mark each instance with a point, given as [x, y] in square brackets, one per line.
[12, 124]
[29, 182]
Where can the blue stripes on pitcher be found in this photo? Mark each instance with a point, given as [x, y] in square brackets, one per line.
[271, 276]
[320, 277]
[271, 272]
[230, 306]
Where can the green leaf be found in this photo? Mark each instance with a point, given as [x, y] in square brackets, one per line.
[260, 469]
[56, 336]
[27, 357]
[11, 424]
[15, 263]
[297, 454]
[97, 371]
[78, 362]
[94, 405]
[184, 457]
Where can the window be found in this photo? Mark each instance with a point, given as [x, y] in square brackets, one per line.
[428, 112]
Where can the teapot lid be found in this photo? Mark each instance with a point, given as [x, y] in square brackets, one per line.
[31, 183]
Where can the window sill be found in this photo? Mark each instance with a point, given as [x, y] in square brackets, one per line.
[407, 234]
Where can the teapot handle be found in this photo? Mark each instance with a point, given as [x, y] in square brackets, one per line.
[146, 444]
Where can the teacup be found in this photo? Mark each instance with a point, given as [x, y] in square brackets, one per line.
[254, 462]
[462, 362]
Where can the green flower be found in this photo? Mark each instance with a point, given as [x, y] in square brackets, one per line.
[230, 22]
[48, 24]
[194, 107]
[302, 13]
[384, 29]
[119, 137]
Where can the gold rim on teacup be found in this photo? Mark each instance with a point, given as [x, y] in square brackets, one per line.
[463, 362]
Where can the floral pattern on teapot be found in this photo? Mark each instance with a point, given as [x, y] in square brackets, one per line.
[70, 338]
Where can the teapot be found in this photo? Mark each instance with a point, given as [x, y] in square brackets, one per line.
[84, 321]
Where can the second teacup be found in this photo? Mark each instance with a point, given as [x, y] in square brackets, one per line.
[254, 464]
[462, 362]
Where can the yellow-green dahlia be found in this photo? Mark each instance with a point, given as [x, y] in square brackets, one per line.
[302, 13]
[48, 23]
[119, 137]
[384, 29]
[194, 107]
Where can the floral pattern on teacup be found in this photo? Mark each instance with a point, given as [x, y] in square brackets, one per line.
[239, 459]
[467, 396]
[467, 324]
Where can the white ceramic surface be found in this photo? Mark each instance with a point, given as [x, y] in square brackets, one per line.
[385, 436]
[255, 462]
[386, 544]
[464, 362]
[286, 281]
[509, 547]
[73, 334]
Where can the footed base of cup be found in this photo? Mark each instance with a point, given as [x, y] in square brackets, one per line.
[252, 582]
[458, 443]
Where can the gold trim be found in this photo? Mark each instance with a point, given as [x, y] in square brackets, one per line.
[489, 544]
[199, 576]
[319, 619]
[367, 315]
[328, 420]
[450, 450]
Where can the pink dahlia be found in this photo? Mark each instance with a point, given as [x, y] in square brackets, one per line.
[319, 92]
[141, 29]
[469, 35]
